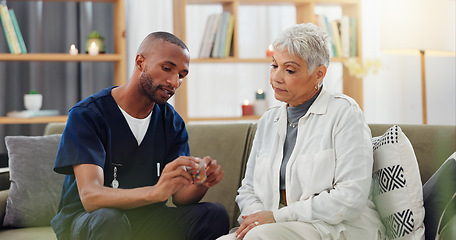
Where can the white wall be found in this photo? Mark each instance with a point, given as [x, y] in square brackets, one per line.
[394, 94]
[142, 18]
[391, 96]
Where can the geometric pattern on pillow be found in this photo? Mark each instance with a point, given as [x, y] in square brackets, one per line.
[400, 224]
[388, 179]
[389, 137]
[396, 185]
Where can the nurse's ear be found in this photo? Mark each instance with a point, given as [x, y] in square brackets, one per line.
[139, 62]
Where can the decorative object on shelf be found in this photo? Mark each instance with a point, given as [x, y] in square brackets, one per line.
[360, 70]
[247, 109]
[93, 49]
[73, 50]
[32, 114]
[260, 104]
[270, 51]
[33, 101]
[413, 40]
[95, 37]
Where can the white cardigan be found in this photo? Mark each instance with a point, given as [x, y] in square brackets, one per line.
[328, 176]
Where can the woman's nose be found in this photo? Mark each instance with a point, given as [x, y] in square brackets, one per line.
[276, 76]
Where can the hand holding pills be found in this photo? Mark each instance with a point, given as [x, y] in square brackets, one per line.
[198, 174]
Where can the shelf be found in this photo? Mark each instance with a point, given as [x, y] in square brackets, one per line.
[118, 58]
[273, 2]
[48, 119]
[243, 118]
[305, 12]
[109, 1]
[60, 57]
[246, 60]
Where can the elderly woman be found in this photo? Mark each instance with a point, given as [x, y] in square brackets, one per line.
[309, 172]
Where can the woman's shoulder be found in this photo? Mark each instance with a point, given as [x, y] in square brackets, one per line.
[342, 100]
[271, 112]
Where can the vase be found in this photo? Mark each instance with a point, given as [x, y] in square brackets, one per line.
[32, 102]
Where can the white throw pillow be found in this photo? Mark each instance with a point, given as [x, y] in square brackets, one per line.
[397, 188]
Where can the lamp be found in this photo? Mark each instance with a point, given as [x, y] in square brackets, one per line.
[419, 26]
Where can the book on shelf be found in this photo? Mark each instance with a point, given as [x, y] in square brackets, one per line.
[7, 28]
[220, 38]
[353, 37]
[18, 31]
[4, 26]
[11, 30]
[229, 37]
[225, 24]
[31, 114]
[342, 33]
[335, 27]
[205, 39]
[323, 23]
[345, 35]
[217, 36]
[209, 35]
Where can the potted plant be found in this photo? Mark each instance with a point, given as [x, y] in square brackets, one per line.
[33, 101]
[95, 37]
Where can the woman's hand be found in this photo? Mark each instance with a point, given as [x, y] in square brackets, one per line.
[254, 220]
[214, 172]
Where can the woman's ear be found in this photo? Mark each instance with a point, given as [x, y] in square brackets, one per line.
[320, 73]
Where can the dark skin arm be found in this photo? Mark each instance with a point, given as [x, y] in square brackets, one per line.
[195, 192]
[94, 195]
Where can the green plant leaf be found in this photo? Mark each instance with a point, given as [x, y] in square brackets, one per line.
[94, 35]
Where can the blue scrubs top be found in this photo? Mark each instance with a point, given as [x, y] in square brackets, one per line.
[97, 133]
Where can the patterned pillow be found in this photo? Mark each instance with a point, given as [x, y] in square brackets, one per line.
[397, 189]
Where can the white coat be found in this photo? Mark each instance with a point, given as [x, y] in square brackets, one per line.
[328, 175]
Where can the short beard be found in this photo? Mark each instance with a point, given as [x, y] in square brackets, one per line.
[149, 88]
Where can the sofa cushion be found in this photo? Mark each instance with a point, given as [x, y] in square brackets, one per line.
[397, 189]
[437, 193]
[226, 143]
[35, 189]
[35, 233]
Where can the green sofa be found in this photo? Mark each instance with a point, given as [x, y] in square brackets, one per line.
[230, 144]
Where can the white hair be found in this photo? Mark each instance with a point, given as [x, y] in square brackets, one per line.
[308, 42]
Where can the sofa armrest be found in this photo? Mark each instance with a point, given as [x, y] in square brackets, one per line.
[54, 128]
[3, 199]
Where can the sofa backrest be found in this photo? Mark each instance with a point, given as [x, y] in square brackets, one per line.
[230, 145]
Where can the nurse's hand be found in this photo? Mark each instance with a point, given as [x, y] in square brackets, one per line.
[254, 220]
[174, 176]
